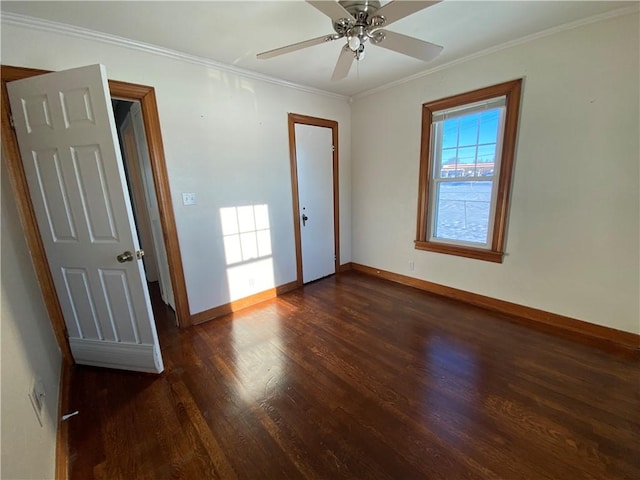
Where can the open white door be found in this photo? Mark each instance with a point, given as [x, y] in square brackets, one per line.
[68, 143]
[314, 158]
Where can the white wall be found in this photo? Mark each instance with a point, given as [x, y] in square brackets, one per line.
[572, 244]
[29, 350]
[573, 235]
[225, 138]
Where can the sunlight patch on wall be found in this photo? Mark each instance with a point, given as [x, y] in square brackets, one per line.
[247, 246]
[250, 278]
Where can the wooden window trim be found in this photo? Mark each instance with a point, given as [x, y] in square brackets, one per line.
[512, 91]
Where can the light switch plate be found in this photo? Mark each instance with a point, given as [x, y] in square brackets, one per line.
[36, 395]
[188, 198]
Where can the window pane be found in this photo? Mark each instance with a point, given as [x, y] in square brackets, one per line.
[449, 155]
[485, 170]
[489, 126]
[449, 158]
[453, 171]
[450, 133]
[467, 155]
[462, 211]
[468, 130]
[487, 153]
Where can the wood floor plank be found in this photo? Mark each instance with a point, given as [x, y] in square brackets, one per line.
[356, 377]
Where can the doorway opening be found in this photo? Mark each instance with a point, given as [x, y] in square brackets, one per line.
[137, 167]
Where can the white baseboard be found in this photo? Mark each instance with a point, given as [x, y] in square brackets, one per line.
[123, 356]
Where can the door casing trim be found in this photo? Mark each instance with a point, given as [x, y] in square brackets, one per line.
[293, 119]
[11, 155]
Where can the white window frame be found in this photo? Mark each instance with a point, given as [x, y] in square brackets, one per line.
[436, 151]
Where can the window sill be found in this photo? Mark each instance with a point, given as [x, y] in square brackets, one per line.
[469, 252]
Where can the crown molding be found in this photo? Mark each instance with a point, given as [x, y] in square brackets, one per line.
[519, 41]
[26, 21]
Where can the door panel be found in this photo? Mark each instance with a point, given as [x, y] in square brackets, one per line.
[89, 173]
[46, 164]
[314, 158]
[76, 281]
[66, 133]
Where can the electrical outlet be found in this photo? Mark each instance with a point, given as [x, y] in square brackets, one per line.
[412, 266]
[188, 198]
[36, 395]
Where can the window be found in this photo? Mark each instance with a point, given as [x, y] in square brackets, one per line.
[466, 164]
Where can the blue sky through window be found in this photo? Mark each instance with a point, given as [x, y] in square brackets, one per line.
[467, 153]
[471, 138]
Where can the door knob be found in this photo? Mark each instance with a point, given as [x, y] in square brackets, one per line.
[304, 219]
[128, 256]
[125, 257]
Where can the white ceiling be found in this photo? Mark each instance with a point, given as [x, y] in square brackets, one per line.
[233, 32]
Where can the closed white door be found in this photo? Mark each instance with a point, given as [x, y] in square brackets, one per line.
[68, 143]
[314, 159]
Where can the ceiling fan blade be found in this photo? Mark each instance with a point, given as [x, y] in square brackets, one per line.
[410, 46]
[297, 46]
[344, 64]
[332, 9]
[394, 11]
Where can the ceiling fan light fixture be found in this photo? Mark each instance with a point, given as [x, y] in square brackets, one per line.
[360, 21]
[354, 43]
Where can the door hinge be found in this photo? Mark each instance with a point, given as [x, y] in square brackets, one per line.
[333, 148]
[11, 122]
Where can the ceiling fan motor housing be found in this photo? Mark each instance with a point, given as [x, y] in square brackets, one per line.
[359, 21]
[365, 22]
[364, 13]
[356, 7]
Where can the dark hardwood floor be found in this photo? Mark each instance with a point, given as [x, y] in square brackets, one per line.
[355, 377]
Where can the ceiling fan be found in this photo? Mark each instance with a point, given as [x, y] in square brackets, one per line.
[360, 21]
